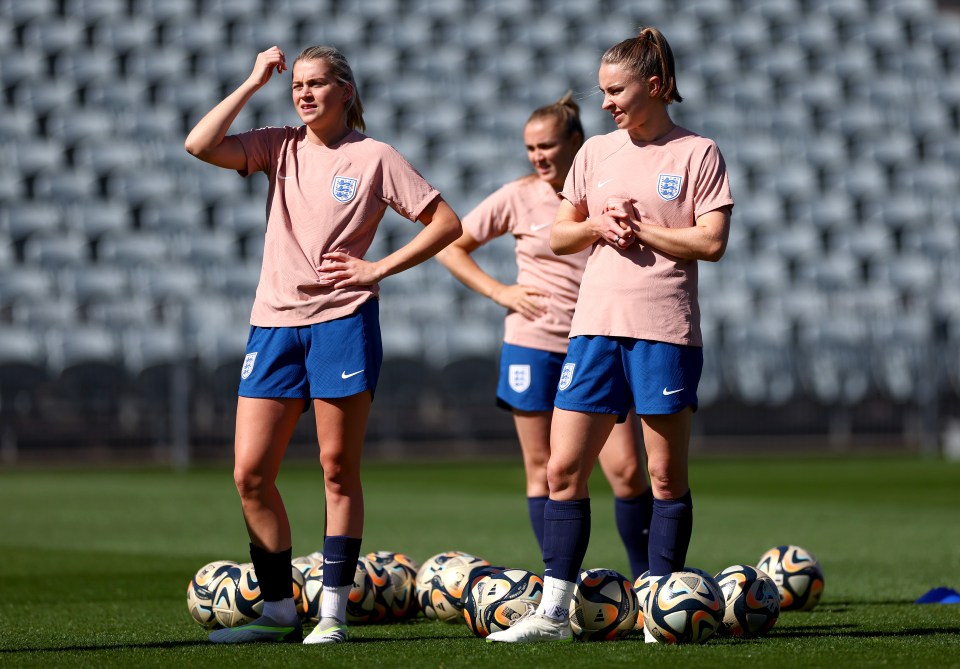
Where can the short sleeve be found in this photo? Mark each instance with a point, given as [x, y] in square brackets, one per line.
[489, 219]
[262, 147]
[403, 188]
[713, 185]
[575, 187]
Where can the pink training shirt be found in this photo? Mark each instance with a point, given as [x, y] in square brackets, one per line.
[638, 292]
[526, 208]
[323, 199]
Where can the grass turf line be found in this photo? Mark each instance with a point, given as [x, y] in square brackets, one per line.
[95, 563]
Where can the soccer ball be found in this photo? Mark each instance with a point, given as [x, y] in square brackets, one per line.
[237, 600]
[402, 570]
[371, 596]
[683, 607]
[201, 589]
[641, 587]
[312, 592]
[604, 606]
[497, 597]
[441, 582]
[751, 601]
[797, 574]
[305, 563]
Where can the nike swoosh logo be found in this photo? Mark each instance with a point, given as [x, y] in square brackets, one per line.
[344, 375]
[280, 176]
[604, 183]
[671, 392]
[534, 228]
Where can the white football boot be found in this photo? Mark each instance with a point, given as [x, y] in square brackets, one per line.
[532, 627]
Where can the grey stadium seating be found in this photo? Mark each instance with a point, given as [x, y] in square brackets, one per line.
[838, 120]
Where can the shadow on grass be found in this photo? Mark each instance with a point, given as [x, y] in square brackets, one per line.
[852, 631]
[106, 646]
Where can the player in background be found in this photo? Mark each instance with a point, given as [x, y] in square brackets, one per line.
[315, 333]
[650, 199]
[539, 310]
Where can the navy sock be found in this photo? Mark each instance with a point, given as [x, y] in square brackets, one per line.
[340, 555]
[633, 523]
[670, 528]
[274, 573]
[566, 533]
[535, 507]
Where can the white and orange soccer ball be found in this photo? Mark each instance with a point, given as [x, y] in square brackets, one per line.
[604, 606]
[751, 601]
[201, 589]
[496, 598]
[797, 574]
[683, 607]
[442, 581]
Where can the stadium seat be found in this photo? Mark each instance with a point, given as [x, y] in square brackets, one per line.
[102, 156]
[134, 249]
[22, 375]
[82, 65]
[16, 124]
[194, 32]
[30, 284]
[94, 218]
[21, 219]
[94, 282]
[90, 376]
[38, 315]
[72, 125]
[66, 186]
[54, 252]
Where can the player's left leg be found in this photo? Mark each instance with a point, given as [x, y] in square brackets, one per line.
[341, 427]
[667, 440]
[623, 464]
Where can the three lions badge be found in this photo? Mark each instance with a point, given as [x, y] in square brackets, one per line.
[344, 189]
[668, 186]
[519, 377]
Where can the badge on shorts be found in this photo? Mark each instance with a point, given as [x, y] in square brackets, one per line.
[248, 365]
[519, 377]
[566, 375]
[344, 188]
[668, 187]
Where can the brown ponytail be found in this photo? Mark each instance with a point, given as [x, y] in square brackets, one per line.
[647, 55]
[565, 112]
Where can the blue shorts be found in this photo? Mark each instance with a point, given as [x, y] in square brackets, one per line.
[528, 378]
[337, 358]
[611, 374]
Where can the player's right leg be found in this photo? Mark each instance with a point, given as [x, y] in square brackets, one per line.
[577, 439]
[264, 427]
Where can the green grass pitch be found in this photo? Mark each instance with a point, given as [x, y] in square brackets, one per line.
[94, 563]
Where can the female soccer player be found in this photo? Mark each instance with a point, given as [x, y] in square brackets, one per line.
[315, 331]
[539, 310]
[651, 199]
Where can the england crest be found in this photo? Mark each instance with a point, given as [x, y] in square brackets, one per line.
[519, 377]
[248, 365]
[668, 187]
[566, 375]
[344, 188]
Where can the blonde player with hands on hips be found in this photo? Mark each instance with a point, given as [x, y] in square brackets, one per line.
[539, 310]
[649, 199]
[315, 333]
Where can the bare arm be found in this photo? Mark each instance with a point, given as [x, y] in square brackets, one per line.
[208, 141]
[573, 232]
[523, 299]
[707, 240]
[441, 226]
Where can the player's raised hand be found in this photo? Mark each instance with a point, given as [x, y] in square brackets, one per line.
[525, 300]
[269, 61]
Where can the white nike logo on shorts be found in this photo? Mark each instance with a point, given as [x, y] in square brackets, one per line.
[671, 392]
[344, 375]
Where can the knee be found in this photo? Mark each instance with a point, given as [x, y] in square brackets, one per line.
[339, 479]
[249, 483]
[665, 483]
[561, 477]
